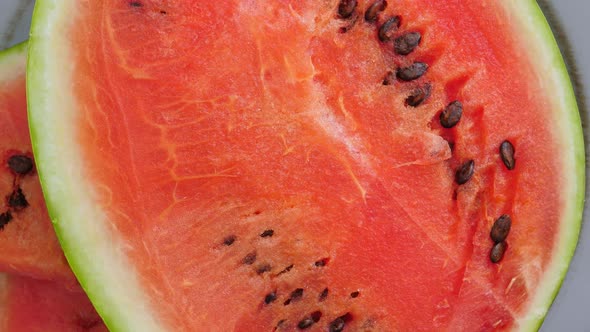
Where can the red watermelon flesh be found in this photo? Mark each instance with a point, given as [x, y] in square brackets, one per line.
[27, 240]
[256, 166]
[29, 305]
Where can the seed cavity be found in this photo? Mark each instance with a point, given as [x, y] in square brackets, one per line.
[322, 262]
[451, 115]
[308, 321]
[419, 95]
[355, 294]
[20, 164]
[388, 29]
[267, 233]
[501, 228]
[389, 78]
[465, 172]
[229, 240]
[249, 259]
[270, 297]
[5, 218]
[263, 268]
[338, 324]
[323, 294]
[497, 252]
[17, 200]
[412, 72]
[346, 8]
[374, 9]
[507, 154]
[406, 43]
[295, 295]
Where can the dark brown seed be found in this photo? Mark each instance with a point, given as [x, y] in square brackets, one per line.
[389, 78]
[374, 9]
[229, 240]
[20, 164]
[250, 258]
[322, 262]
[305, 323]
[355, 294]
[285, 270]
[497, 252]
[263, 268]
[346, 8]
[323, 294]
[337, 325]
[507, 154]
[5, 218]
[465, 172]
[388, 29]
[297, 294]
[419, 95]
[17, 200]
[501, 228]
[412, 72]
[270, 298]
[135, 4]
[316, 316]
[451, 115]
[406, 43]
[267, 233]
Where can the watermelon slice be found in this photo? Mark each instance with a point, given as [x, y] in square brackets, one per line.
[27, 241]
[342, 165]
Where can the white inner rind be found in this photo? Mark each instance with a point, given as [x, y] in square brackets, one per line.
[94, 250]
[97, 253]
[553, 78]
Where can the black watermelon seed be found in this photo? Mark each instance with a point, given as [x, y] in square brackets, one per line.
[270, 297]
[419, 95]
[267, 233]
[465, 172]
[322, 262]
[316, 316]
[346, 8]
[389, 78]
[5, 218]
[497, 252]
[412, 72]
[17, 200]
[355, 294]
[406, 43]
[285, 270]
[374, 9]
[451, 115]
[507, 154]
[297, 294]
[323, 295]
[501, 228]
[135, 4]
[249, 259]
[305, 323]
[229, 240]
[20, 164]
[388, 28]
[263, 268]
[337, 325]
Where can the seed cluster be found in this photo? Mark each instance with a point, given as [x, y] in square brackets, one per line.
[20, 165]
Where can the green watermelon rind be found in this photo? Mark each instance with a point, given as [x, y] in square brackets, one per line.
[91, 247]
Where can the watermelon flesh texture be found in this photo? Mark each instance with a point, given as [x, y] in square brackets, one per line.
[248, 163]
[30, 305]
[27, 241]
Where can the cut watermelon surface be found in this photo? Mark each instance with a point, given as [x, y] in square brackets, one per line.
[27, 241]
[308, 165]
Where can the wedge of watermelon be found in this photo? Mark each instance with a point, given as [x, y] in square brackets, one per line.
[326, 165]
